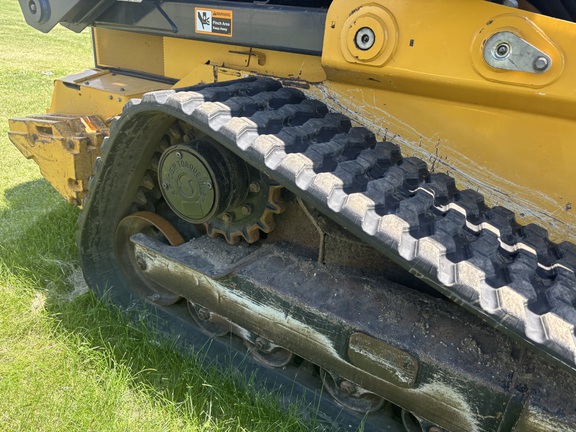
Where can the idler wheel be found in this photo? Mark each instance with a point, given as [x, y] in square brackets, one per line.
[268, 353]
[349, 395]
[154, 226]
[212, 324]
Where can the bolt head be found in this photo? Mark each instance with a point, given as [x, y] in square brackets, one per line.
[255, 187]
[261, 344]
[246, 209]
[541, 63]
[347, 387]
[141, 264]
[227, 217]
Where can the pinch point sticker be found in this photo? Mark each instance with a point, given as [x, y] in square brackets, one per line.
[215, 22]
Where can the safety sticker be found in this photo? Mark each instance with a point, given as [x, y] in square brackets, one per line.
[216, 22]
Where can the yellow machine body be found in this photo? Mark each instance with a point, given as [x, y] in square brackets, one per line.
[424, 85]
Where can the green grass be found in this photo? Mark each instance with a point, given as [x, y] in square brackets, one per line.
[68, 362]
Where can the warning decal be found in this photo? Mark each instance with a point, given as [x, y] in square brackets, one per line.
[216, 22]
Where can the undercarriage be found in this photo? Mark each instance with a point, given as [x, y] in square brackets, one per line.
[303, 288]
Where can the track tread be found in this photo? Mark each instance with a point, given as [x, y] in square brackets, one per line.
[479, 256]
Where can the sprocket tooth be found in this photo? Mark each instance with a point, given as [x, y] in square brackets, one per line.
[266, 223]
[251, 235]
[210, 231]
[141, 197]
[275, 203]
[232, 238]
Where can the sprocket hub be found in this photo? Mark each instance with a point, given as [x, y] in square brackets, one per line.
[203, 183]
[200, 181]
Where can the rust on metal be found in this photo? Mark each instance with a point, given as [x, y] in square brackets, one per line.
[65, 148]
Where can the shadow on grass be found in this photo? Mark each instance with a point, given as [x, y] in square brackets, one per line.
[43, 252]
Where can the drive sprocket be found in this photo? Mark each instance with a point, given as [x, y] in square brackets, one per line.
[208, 186]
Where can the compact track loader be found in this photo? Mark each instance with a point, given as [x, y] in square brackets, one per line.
[375, 196]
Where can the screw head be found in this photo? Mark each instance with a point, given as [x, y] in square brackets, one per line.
[255, 187]
[365, 38]
[164, 185]
[179, 155]
[502, 50]
[541, 63]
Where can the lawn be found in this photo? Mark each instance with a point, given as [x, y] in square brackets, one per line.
[68, 362]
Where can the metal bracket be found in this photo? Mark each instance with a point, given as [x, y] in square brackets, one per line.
[506, 51]
[259, 55]
[75, 14]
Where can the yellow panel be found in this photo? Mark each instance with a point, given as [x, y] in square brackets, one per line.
[183, 57]
[98, 92]
[126, 50]
[437, 54]
[508, 134]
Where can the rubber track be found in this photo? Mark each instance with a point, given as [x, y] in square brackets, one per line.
[479, 256]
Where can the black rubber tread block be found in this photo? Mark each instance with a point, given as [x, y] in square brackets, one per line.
[385, 191]
[451, 229]
[287, 116]
[246, 106]
[355, 174]
[415, 173]
[536, 238]
[443, 187]
[472, 204]
[383, 156]
[504, 221]
[365, 158]
[244, 88]
[567, 255]
[342, 147]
